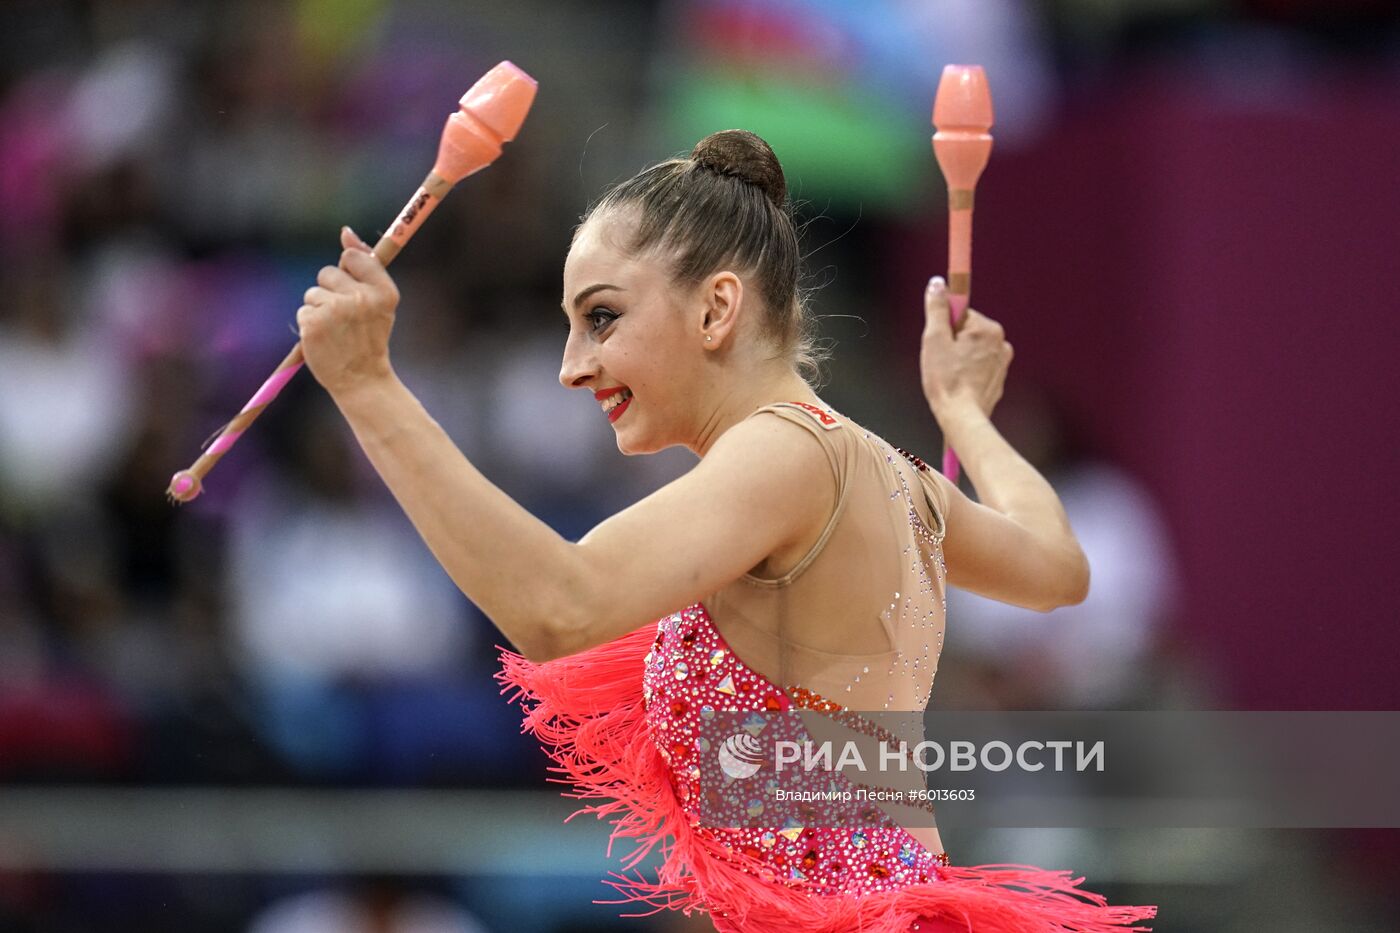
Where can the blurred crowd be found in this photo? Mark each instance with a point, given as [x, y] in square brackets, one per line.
[173, 178]
[172, 174]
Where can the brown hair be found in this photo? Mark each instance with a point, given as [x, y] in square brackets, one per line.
[727, 204]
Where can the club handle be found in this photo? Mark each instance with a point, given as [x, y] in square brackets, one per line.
[188, 483]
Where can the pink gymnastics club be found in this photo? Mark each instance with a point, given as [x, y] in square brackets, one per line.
[962, 114]
[488, 115]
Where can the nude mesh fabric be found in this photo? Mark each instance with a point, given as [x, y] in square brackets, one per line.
[860, 619]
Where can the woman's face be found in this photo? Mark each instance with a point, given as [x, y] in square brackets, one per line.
[631, 329]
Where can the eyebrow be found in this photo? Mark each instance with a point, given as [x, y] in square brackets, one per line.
[578, 299]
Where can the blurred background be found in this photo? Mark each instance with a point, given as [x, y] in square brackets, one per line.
[271, 711]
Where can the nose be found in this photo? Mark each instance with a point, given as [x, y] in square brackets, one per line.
[579, 364]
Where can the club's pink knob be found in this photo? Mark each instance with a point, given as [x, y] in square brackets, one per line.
[964, 100]
[184, 486]
[501, 99]
[489, 114]
[962, 113]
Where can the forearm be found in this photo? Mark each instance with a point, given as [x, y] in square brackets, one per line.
[1004, 480]
[512, 565]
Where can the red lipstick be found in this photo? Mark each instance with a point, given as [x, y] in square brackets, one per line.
[617, 412]
[603, 394]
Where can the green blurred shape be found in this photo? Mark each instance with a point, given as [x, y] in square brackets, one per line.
[842, 145]
[331, 30]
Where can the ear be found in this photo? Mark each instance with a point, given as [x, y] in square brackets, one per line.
[723, 297]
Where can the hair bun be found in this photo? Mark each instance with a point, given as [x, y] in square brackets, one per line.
[745, 156]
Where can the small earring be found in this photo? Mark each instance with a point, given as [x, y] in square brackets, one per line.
[708, 338]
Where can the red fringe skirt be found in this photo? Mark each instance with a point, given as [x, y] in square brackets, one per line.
[587, 712]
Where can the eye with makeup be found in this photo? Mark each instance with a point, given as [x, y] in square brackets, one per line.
[595, 314]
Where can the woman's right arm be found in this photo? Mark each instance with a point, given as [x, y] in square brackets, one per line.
[1016, 545]
[758, 489]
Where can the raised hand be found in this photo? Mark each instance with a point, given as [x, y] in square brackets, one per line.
[347, 317]
[965, 365]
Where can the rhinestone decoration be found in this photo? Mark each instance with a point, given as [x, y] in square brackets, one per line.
[692, 673]
[817, 859]
[929, 543]
[912, 459]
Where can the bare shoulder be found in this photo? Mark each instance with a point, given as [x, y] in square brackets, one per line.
[769, 451]
[781, 469]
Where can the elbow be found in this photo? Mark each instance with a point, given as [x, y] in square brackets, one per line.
[537, 644]
[561, 626]
[1072, 579]
[539, 651]
[1080, 591]
[556, 638]
[553, 637]
[551, 619]
[1076, 579]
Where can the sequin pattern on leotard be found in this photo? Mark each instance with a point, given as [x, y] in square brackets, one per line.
[691, 676]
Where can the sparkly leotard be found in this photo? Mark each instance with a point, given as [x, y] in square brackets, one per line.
[847, 628]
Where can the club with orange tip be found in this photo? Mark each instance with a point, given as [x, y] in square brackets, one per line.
[962, 114]
[487, 116]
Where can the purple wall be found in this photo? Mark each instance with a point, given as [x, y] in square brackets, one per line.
[1204, 276]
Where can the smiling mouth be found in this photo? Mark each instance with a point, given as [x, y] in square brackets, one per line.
[616, 404]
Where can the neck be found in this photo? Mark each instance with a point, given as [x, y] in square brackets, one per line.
[734, 405]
